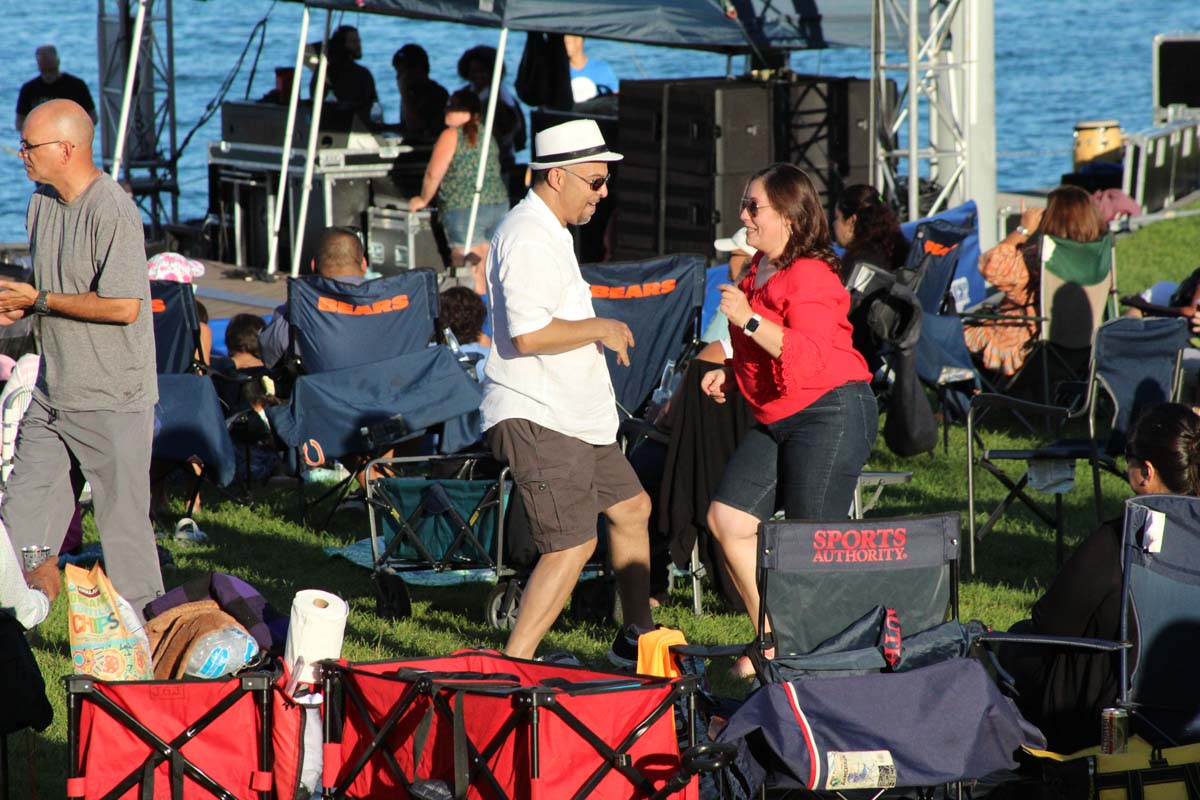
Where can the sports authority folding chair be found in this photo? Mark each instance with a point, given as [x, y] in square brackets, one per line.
[192, 430]
[176, 328]
[661, 301]
[180, 738]
[1137, 364]
[479, 724]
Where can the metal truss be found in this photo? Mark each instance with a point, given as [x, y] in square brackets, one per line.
[948, 62]
[148, 164]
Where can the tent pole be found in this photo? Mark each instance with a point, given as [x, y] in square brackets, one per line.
[310, 155]
[914, 168]
[135, 51]
[288, 131]
[493, 98]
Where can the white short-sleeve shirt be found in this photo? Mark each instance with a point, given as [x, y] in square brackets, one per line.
[533, 277]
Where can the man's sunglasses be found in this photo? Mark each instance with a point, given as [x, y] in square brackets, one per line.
[751, 206]
[595, 184]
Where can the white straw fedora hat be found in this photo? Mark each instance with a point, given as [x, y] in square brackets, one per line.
[576, 142]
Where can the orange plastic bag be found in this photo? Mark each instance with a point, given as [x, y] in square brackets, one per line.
[107, 640]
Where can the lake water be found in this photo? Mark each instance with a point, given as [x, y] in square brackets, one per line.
[1056, 63]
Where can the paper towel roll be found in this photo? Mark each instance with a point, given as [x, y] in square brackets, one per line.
[315, 633]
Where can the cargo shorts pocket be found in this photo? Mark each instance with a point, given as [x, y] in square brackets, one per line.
[545, 496]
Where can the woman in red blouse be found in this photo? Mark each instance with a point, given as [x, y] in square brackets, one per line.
[794, 362]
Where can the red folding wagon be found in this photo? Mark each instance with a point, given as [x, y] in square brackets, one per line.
[236, 738]
[484, 726]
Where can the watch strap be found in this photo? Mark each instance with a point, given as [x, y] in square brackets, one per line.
[39, 305]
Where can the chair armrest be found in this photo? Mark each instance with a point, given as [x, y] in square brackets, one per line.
[1044, 640]
[709, 651]
[636, 427]
[991, 400]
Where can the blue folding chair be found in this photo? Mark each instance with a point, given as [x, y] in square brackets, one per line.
[176, 328]
[191, 422]
[1136, 362]
[661, 301]
[335, 325]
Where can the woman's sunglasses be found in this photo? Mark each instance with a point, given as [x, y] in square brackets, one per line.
[752, 206]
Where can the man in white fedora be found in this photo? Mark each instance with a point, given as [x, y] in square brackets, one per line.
[548, 404]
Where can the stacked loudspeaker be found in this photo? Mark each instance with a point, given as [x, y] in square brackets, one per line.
[691, 145]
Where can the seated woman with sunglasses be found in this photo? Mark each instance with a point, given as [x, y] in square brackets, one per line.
[1063, 691]
[794, 363]
[451, 175]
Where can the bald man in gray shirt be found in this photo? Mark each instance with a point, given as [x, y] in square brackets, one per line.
[92, 413]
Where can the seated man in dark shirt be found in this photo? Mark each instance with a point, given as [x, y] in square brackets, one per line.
[422, 100]
[348, 81]
[52, 84]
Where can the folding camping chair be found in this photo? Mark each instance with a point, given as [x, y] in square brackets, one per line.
[661, 300]
[868, 654]
[353, 330]
[1160, 598]
[1137, 364]
[176, 328]
[1077, 290]
[368, 408]
[191, 420]
[480, 724]
[180, 738]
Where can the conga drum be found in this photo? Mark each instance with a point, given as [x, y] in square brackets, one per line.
[1097, 140]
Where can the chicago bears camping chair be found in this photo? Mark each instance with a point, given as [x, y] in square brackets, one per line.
[345, 343]
[482, 725]
[661, 300]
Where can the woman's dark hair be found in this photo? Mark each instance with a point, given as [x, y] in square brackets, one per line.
[1071, 214]
[467, 100]
[241, 335]
[1186, 291]
[463, 312]
[876, 227]
[794, 197]
[1168, 436]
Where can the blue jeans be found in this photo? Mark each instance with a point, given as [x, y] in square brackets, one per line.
[454, 223]
[808, 463]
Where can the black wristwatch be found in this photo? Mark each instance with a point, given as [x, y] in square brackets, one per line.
[39, 305]
[752, 325]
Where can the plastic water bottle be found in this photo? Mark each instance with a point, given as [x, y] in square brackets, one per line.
[222, 652]
[666, 385]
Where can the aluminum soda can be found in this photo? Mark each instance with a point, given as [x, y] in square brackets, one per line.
[1114, 731]
[32, 556]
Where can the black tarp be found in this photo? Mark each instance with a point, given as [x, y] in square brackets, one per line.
[721, 25]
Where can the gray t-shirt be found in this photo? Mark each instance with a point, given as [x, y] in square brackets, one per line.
[94, 244]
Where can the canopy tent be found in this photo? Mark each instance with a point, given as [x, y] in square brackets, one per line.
[948, 51]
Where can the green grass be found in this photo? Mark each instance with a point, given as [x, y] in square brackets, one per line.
[265, 544]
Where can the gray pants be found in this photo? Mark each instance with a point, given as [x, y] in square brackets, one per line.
[56, 452]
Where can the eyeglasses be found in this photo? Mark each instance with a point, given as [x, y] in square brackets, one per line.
[26, 146]
[752, 206]
[595, 184]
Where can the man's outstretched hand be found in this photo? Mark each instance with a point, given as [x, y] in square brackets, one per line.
[618, 338]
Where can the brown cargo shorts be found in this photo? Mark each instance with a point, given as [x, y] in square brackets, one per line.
[564, 482]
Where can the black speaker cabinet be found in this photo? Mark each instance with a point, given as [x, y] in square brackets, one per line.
[685, 215]
[710, 125]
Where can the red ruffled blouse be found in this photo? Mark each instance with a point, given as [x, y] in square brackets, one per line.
[811, 304]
